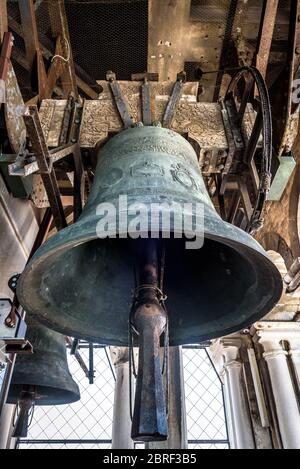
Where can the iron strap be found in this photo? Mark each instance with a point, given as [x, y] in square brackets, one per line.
[121, 104]
[173, 104]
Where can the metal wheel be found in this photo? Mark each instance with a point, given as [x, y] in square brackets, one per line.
[250, 149]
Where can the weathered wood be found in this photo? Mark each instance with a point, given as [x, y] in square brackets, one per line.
[167, 30]
[46, 44]
[32, 44]
[3, 18]
[30, 31]
[266, 35]
[59, 27]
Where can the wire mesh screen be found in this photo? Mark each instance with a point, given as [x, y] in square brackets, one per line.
[206, 423]
[88, 424]
[115, 34]
[89, 419]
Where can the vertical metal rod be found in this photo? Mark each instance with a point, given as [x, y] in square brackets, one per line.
[91, 363]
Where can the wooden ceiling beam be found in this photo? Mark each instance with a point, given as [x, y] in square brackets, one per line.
[3, 19]
[46, 46]
[60, 28]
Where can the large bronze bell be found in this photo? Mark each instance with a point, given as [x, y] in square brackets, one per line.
[82, 286]
[42, 378]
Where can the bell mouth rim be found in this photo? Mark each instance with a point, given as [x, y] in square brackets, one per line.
[49, 398]
[235, 239]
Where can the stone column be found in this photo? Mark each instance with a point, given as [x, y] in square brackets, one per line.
[121, 431]
[226, 356]
[271, 336]
[6, 427]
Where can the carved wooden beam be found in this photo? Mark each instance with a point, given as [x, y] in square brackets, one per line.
[46, 45]
[59, 26]
[32, 44]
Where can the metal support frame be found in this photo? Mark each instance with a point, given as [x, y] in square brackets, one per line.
[40, 149]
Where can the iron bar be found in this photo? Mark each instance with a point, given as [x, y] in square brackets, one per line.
[91, 363]
[65, 442]
[120, 103]
[146, 104]
[108, 442]
[35, 133]
[173, 104]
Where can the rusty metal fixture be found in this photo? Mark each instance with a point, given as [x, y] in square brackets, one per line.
[149, 319]
[42, 378]
[81, 285]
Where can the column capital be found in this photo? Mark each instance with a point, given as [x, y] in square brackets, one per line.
[225, 351]
[119, 355]
[271, 335]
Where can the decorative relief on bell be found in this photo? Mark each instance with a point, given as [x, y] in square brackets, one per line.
[146, 169]
[183, 176]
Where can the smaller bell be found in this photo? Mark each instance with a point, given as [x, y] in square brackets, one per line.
[42, 378]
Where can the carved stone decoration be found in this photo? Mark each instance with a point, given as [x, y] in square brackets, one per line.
[14, 111]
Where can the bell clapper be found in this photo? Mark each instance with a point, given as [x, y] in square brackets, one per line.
[26, 403]
[149, 319]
